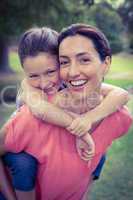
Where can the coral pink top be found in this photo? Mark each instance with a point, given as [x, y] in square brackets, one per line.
[62, 175]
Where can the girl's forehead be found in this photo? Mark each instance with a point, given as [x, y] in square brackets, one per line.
[42, 61]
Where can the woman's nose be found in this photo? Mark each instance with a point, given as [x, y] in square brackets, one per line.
[74, 70]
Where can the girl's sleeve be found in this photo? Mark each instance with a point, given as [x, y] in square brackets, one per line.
[17, 134]
[111, 128]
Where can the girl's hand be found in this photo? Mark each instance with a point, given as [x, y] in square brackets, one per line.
[85, 147]
[79, 126]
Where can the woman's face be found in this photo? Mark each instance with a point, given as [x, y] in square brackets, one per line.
[80, 65]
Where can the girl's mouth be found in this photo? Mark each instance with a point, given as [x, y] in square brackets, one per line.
[51, 89]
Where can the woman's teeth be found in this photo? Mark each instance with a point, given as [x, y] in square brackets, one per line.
[78, 83]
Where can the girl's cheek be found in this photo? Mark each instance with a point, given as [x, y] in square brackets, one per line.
[33, 83]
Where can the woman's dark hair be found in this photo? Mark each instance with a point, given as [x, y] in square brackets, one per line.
[98, 38]
[37, 40]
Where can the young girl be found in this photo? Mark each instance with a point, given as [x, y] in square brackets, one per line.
[41, 68]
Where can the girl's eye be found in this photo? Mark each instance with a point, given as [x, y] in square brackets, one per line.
[34, 76]
[51, 72]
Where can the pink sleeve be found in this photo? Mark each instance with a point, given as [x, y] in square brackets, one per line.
[110, 129]
[17, 134]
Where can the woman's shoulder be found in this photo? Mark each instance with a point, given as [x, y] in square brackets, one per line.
[120, 121]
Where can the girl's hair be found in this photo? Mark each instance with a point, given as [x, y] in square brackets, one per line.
[37, 40]
[98, 38]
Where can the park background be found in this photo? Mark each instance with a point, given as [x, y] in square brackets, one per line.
[115, 19]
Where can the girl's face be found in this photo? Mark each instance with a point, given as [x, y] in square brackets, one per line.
[42, 72]
[80, 65]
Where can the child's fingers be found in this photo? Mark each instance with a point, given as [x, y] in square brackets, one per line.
[86, 158]
[77, 132]
[89, 151]
[88, 154]
[72, 126]
[80, 131]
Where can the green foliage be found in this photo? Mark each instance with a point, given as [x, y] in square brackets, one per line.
[107, 19]
[16, 16]
[131, 43]
[126, 13]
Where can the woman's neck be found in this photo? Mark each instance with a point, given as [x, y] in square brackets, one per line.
[83, 103]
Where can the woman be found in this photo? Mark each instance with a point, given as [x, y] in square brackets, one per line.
[84, 64]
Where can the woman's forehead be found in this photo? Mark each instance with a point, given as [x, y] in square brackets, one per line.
[76, 44]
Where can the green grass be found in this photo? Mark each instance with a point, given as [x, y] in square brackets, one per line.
[122, 63]
[116, 181]
[124, 83]
[14, 62]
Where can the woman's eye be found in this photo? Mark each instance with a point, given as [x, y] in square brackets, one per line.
[63, 63]
[85, 60]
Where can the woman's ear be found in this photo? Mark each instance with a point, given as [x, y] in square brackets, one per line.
[107, 63]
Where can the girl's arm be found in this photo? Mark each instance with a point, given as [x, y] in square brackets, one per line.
[36, 100]
[114, 98]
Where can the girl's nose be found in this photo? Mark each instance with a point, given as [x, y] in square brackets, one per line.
[43, 82]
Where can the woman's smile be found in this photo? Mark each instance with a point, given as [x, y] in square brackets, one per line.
[80, 65]
[78, 83]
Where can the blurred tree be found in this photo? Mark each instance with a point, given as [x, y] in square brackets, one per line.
[16, 16]
[126, 12]
[88, 2]
[109, 21]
